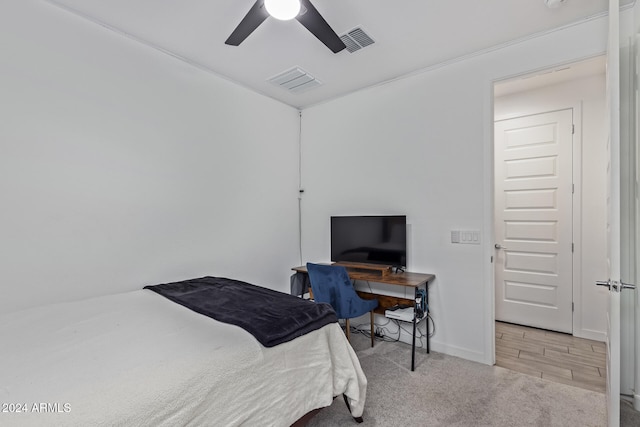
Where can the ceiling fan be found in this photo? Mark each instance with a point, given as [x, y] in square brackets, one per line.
[302, 10]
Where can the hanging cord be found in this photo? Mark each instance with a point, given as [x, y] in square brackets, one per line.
[300, 190]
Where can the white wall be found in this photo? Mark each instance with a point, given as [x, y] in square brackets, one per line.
[587, 95]
[121, 166]
[422, 146]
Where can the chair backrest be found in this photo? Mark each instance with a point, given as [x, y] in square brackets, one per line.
[331, 284]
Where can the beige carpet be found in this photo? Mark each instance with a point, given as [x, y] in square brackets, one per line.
[449, 391]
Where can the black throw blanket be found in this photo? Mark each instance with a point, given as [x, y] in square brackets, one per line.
[272, 317]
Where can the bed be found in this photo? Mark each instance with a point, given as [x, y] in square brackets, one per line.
[139, 358]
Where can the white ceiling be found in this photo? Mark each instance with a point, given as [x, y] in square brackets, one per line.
[410, 35]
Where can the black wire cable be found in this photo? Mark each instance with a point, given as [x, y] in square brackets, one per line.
[387, 334]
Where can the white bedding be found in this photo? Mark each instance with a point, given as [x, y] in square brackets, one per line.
[139, 359]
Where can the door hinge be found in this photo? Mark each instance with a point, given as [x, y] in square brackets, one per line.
[573, 307]
[572, 247]
[573, 188]
[573, 129]
[491, 259]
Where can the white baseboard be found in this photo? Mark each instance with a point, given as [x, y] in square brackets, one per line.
[461, 352]
[590, 335]
[437, 346]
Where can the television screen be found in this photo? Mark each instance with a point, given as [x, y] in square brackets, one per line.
[369, 239]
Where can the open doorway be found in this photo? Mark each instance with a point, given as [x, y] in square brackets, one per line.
[549, 211]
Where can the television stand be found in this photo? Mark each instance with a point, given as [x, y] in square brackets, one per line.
[357, 267]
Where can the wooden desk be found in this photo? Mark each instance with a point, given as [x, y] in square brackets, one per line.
[405, 279]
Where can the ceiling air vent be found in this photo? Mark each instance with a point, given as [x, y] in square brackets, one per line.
[356, 39]
[295, 80]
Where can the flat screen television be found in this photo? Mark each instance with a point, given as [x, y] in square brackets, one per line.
[369, 239]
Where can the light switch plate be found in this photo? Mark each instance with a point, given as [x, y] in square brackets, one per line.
[466, 237]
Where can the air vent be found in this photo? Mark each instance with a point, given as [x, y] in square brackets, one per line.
[295, 80]
[356, 39]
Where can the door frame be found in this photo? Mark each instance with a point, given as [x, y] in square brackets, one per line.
[488, 210]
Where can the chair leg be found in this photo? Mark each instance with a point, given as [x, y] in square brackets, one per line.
[372, 327]
[347, 330]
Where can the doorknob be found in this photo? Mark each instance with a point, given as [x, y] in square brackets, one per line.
[499, 246]
[615, 286]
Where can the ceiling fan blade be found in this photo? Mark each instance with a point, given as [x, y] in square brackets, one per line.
[315, 23]
[256, 15]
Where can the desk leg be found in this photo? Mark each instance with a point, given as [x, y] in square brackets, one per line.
[426, 300]
[413, 340]
[413, 345]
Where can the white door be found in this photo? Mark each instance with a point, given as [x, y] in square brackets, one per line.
[533, 220]
[613, 217]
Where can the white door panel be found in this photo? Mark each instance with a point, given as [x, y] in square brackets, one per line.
[533, 213]
[530, 196]
[532, 263]
[543, 295]
[537, 231]
[613, 216]
[613, 360]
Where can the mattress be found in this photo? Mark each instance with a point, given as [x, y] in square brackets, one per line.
[139, 359]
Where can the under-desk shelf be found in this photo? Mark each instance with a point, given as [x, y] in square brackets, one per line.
[385, 301]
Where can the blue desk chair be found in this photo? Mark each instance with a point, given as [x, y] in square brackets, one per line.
[331, 284]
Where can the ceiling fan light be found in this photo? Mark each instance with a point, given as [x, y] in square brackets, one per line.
[283, 9]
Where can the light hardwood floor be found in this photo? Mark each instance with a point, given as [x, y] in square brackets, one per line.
[551, 355]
